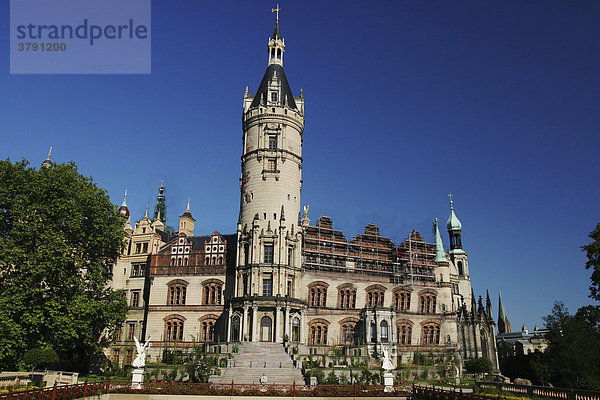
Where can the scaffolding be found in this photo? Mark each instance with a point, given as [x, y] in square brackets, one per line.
[326, 249]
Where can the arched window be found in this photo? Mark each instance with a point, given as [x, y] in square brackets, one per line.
[174, 328]
[220, 260]
[346, 297]
[348, 326]
[172, 261]
[404, 333]
[318, 294]
[318, 331]
[375, 295]
[427, 303]
[179, 261]
[212, 291]
[207, 328]
[185, 261]
[176, 292]
[384, 334]
[431, 333]
[402, 300]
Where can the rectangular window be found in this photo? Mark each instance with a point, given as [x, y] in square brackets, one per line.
[245, 279]
[268, 254]
[116, 356]
[130, 331]
[135, 299]
[273, 142]
[129, 357]
[272, 164]
[145, 248]
[268, 285]
[273, 96]
[290, 257]
[138, 270]
[138, 247]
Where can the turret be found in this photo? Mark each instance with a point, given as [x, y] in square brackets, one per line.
[454, 230]
[186, 222]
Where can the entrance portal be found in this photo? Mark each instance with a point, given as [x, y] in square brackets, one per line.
[265, 329]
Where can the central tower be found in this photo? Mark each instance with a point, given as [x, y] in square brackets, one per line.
[268, 261]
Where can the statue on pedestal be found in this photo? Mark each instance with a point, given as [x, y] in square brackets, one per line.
[140, 359]
[137, 378]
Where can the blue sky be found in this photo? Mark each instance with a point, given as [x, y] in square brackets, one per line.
[496, 102]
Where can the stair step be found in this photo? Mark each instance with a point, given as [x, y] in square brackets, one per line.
[256, 359]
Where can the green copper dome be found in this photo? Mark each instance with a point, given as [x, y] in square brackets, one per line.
[453, 223]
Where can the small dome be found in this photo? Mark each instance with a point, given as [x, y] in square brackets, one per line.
[453, 223]
[123, 210]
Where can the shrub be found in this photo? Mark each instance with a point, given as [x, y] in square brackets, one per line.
[40, 357]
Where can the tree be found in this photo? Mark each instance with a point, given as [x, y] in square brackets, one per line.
[481, 365]
[573, 353]
[40, 357]
[592, 250]
[59, 235]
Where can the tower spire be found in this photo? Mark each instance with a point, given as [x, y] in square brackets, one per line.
[124, 204]
[503, 322]
[47, 163]
[160, 211]
[440, 254]
[276, 43]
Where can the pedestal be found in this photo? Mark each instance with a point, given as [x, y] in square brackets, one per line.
[388, 381]
[137, 379]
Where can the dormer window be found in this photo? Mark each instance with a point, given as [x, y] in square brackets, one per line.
[273, 97]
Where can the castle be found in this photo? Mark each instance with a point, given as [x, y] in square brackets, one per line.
[280, 279]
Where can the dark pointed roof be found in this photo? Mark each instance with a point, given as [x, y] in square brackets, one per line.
[276, 33]
[286, 92]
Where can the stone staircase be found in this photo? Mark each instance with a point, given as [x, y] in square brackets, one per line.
[256, 359]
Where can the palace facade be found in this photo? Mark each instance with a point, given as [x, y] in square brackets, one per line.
[279, 278]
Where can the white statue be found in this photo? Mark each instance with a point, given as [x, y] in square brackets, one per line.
[387, 361]
[140, 359]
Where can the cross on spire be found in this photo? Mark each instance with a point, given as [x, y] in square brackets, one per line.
[450, 195]
[277, 11]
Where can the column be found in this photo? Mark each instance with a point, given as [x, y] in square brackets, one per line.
[229, 324]
[302, 327]
[278, 324]
[254, 323]
[286, 324]
[244, 327]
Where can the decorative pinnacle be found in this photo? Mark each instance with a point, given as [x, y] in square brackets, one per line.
[124, 200]
[277, 11]
[451, 202]
[49, 153]
[188, 206]
[146, 216]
